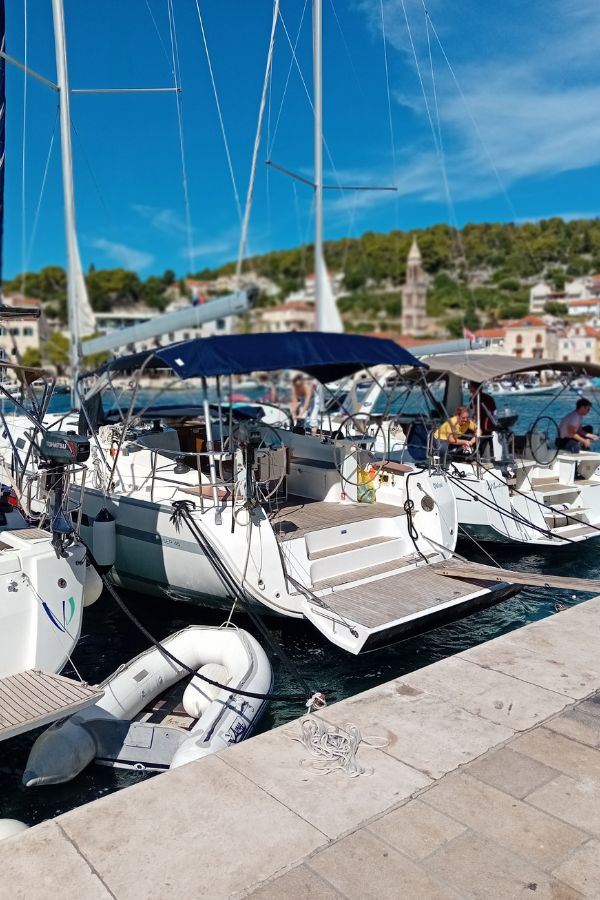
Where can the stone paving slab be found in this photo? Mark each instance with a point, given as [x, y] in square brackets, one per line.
[576, 801]
[488, 693]
[333, 803]
[582, 870]
[47, 864]
[510, 823]
[581, 722]
[202, 830]
[513, 773]
[568, 756]
[510, 655]
[416, 829]
[362, 867]
[480, 870]
[425, 732]
[300, 883]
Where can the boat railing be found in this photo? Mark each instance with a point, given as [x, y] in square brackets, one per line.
[215, 469]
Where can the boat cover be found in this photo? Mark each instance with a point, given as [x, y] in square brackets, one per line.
[481, 367]
[326, 356]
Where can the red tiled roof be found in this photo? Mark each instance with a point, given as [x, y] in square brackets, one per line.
[490, 333]
[583, 303]
[22, 301]
[534, 321]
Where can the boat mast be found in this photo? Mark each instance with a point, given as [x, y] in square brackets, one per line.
[318, 164]
[73, 260]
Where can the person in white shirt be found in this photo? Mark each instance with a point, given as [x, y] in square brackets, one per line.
[573, 434]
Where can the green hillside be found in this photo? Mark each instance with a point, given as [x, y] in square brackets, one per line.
[479, 274]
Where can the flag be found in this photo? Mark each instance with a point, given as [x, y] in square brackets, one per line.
[468, 335]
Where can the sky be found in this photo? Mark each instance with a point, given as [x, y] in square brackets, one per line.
[474, 111]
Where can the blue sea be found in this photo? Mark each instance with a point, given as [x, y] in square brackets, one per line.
[110, 639]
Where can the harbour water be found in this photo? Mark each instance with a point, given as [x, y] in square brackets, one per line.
[109, 639]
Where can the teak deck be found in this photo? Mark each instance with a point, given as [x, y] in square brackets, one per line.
[299, 515]
[386, 600]
[33, 698]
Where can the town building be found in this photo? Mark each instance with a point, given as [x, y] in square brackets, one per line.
[119, 318]
[297, 312]
[532, 337]
[414, 295]
[579, 343]
[579, 289]
[22, 334]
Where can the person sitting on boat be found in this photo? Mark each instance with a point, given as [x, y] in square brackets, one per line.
[305, 403]
[482, 407]
[573, 434]
[456, 436]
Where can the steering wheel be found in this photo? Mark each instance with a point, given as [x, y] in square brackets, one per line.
[270, 440]
[542, 438]
[358, 437]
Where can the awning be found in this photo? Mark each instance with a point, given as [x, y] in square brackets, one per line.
[326, 356]
[480, 367]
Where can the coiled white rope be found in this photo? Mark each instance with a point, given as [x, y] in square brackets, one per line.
[332, 748]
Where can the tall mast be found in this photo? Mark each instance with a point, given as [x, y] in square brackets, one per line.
[318, 176]
[73, 261]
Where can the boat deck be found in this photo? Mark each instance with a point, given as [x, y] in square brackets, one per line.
[33, 698]
[398, 596]
[300, 515]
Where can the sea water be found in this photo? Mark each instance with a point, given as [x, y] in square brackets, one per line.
[109, 639]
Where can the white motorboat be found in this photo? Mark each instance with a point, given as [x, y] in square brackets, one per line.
[140, 723]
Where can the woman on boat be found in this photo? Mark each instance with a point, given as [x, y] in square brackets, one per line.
[456, 436]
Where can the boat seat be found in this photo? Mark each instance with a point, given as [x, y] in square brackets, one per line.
[397, 468]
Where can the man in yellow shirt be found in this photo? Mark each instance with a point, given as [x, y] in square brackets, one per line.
[458, 433]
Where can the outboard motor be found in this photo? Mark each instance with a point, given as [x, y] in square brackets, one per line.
[504, 432]
[59, 450]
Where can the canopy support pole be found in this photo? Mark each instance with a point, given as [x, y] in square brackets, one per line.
[210, 449]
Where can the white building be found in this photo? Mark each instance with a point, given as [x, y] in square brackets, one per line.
[136, 315]
[579, 289]
[583, 307]
[579, 344]
[25, 334]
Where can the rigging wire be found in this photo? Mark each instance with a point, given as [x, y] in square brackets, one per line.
[38, 209]
[470, 114]
[177, 82]
[23, 154]
[261, 112]
[220, 115]
[158, 34]
[271, 144]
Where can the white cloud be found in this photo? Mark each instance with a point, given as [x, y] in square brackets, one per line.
[168, 221]
[128, 257]
[530, 78]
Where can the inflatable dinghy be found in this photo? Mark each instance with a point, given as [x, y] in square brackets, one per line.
[106, 732]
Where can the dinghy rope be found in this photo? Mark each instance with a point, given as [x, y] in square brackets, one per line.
[332, 748]
[317, 700]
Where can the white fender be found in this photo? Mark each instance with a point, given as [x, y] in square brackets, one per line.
[104, 539]
[92, 587]
[10, 827]
[228, 655]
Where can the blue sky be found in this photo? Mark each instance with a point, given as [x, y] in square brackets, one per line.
[515, 122]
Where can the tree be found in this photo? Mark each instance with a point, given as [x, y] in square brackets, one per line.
[31, 358]
[555, 308]
[56, 351]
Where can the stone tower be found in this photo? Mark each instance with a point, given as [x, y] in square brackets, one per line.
[414, 295]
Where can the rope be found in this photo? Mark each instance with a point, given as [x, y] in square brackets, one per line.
[182, 512]
[178, 662]
[332, 748]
